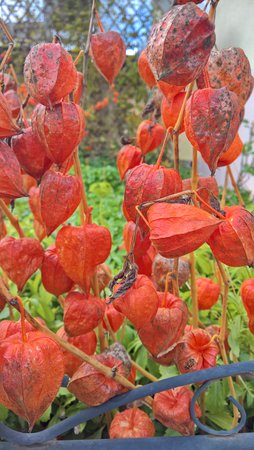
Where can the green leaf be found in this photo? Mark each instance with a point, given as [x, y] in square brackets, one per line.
[3, 413]
[222, 418]
[46, 415]
[168, 372]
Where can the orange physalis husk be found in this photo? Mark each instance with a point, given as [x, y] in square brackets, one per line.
[104, 275]
[108, 52]
[11, 179]
[91, 386]
[20, 258]
[53, 277]
[178, 229]
[172, 409]
[180, 44]
[208, 293]
[170, 110]
[9, 327]
[114, 317]
[35, 203]
[59, 129]
[140, 303]
[212, 119]
[142, 242]
[31, 153]
[161, 334]
[81, 250]
[85, 342]
[31, 374]
[82, 313]
[146, 183]
[247, 296]
[232, 243]
[61, 194]
[167, 359]
[28, 182]
[78, 90]
[229, 67]
[127, 158]
[232, 153]
[209, 183]
[7, 125]
[169, 90]
[196, 351]
[131, 423]
[144, 70]
[13, 102]
[149, 136]
[9, 82]
[162, 266]
[49, 73]
[145, 262]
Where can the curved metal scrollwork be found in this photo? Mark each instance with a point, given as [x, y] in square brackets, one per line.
[136, 394]
[205, 428]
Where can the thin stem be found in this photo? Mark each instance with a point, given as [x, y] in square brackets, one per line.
[80, 55]
[223, 328]
[194, 174]
[83, 207]
[181, 113]
[175, 281]
[86, 50]
[14, 221]
[224, 193]
[14, 75]
[61, 300]
[158, 163]
[176, 151]
[212, 12]
[230, 383]
[209, 207]
[194, 295]
[11, 44]
[99, 22]
[235, 187]
[22, 319]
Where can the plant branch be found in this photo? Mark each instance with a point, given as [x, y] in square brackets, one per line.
[86, 50]
[13, 220]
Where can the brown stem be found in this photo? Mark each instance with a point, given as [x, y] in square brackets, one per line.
[176, 151]
[212, 12]
[158, 163]
[5, 294]
[175, 281]
[22, 319]
[99, 22]
[14, 75]
[194, 175]
[11, 44]
[224, 193]
[83, 207]
[14, 221]
[61, 300]
[223, 328]
[230, 383]
[194, 295]
[80, 55]
[235, 187]
[181, 113]
[86, 51]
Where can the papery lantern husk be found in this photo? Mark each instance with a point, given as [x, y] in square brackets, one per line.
[146, 183]
[232, 243]
[172, 409]
[8, 127]
[232, 153]
[229, 67]
[208, 293]
[9, 327]
[162, 266]
[149, 136]
[212, 118]
[61, 194]
[145, 262]
[131, 423]
[178, 229]
[162, 333]
[91, 386]
[84, 342]
[9, 82]
[104, 275]
[81, 250]
[13, 102]
[141, 297]
[53, 277]
[170, 110]
[11, 180]
[142, 242]
[115, 318]
[31, 374]
[49, 73]
[59, 129]
[247, 296]
[82, 313]
[79, 86]
[20, 258]
[144, 70]
[180, 44]
[128, 157]
[169, 90]
[108, 52]
[31, 153]
[196, 351]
